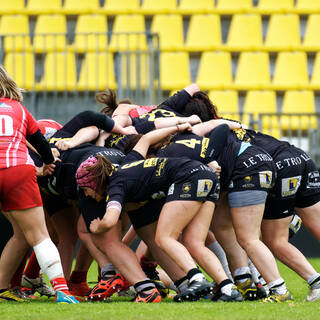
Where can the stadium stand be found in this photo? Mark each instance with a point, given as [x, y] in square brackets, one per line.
[198, 37]
[91, 33]
[15, 29]
[35, 7]
[50, 33]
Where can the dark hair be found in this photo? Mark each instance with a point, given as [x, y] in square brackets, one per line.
[109, 98]
[101, 172]
[201, 105]
[132, 141]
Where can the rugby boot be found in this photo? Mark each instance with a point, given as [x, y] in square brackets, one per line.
[261, 291]
[80, 289]
[248, 289]
[276, 297]
[313, 295]
[28, 293]
[38, 285]
[235, 296]
[195, 291]
[106, 288]
[10, 296]
[64, 298]
[152, 297]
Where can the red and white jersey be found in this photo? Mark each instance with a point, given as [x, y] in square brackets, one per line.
[137, 112]
[48, 127]
[16, 122]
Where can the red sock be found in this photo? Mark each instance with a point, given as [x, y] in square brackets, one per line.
[78, 276]
[17, 277]
[33, 269]
[146, 263]
[60, 284]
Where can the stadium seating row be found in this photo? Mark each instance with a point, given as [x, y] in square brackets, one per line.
[215, 71]
[34, 7]
[204, 33]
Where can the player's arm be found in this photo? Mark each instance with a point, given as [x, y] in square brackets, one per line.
[109, 219]
[84, 135]
[173, 121]
[204, 128]
[154, 136]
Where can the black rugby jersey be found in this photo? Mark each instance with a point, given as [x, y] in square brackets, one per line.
[270, 144]
[139, 179]
[63, 181]
[117, 141]
[172, 107]
[204, 149]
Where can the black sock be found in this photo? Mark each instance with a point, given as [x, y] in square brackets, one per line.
[193, 272]
[242, 276]
[144, 285]
[178, 282]
[224, 283]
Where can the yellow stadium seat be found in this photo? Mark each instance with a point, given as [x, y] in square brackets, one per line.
[16, 28]
[97, 72]
[86, 38]
[155, 6]
[311, 41]
[11, 7]
[273, 131]
[50, 33]
[170, 30]
[59, 72]
[199, 38]
[283, 32]
[291, 71]
[193, 7]
[253, 71]
[226, 102]
[36, 7]
[234, 6]
[245, 32]
[135, 38]
[21, 67]
[308, 6]
[258, 102]
[80, 6]
[121, 6]
[215, 71]
[137, 75]
[174, 70]
[298, 102]
[275, 6]
[315, 79]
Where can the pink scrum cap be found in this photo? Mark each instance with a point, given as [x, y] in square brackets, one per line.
[84, 177]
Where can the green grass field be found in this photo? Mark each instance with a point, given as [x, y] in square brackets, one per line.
[122, 308]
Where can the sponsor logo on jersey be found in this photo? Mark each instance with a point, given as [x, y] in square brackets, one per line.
[265, 179]
[289, 186]
[247, 178]
[171, 190]
[3, 105]
[313, 180]
[204, 187]
[158, 195]
[186, 187]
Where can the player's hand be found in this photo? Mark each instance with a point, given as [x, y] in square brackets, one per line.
[48, 169]
[130, 130]
[64, 144]
[194, 119]
[94, 225]
[215, 167]
[184, 126]
[56, 154]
